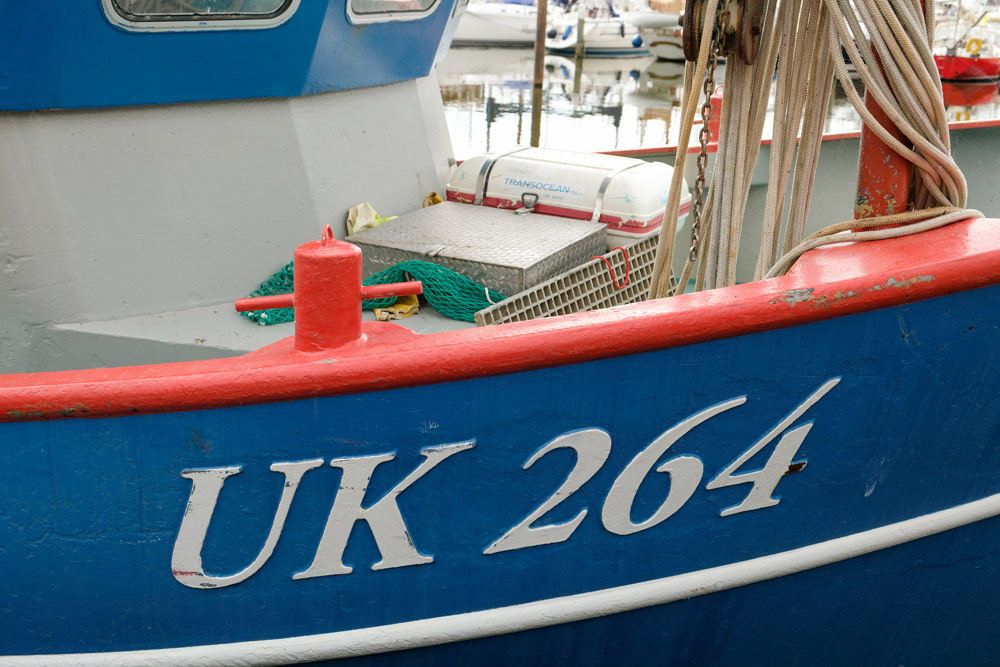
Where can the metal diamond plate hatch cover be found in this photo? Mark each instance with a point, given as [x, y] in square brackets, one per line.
[501, 249]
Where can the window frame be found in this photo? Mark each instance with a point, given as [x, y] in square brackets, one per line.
[196, 22]
[383, 17]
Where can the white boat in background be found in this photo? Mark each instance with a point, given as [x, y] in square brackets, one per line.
[607, 29]
[660, 28]
[658, 89]
[501, 23]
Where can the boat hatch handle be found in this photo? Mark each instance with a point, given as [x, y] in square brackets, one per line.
[328, 294]
[528, 199]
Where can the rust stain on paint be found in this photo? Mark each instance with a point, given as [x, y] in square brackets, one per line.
[197, 440]
[77, 410]
[796, 467]
[863, 210]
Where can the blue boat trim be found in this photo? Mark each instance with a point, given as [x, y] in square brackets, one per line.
[542, 613]
[85, 60]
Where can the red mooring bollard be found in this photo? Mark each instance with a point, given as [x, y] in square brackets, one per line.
[328, 294]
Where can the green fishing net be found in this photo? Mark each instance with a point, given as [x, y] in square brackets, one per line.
[450, 293]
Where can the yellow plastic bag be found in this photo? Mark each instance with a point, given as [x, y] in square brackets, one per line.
[362, 217]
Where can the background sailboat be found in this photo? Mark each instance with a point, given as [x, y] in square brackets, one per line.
[660, 28]
[607, 28]
[497, 23]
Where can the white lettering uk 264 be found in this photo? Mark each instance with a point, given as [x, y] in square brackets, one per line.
[398, 548]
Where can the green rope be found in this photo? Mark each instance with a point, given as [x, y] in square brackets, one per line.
[280, 283]
[450, 293]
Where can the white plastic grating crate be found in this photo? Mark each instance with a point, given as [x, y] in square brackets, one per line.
[587, 287]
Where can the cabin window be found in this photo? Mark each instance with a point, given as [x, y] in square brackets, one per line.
[361, 11]
[198, 14]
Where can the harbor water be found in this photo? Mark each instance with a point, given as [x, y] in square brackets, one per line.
[605, 104]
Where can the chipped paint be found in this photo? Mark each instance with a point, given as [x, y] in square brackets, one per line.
[794, 296]
[892, 282]
[903, 282]
[808, 294]
[840, 296]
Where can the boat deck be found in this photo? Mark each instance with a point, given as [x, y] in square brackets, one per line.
[205, 332]
[212, 331]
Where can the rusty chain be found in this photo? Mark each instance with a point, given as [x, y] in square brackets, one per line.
[705, 134]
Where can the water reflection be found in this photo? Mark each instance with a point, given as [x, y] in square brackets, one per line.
[972, 100]
[607, 104]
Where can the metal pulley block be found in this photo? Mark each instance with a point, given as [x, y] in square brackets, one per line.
[739, 22]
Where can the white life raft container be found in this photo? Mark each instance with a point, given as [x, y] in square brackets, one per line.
[626, 194]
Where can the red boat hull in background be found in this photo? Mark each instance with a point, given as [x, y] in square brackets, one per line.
[969, 94]
[956, 68]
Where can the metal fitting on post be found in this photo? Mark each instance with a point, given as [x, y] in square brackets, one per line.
[741, 23]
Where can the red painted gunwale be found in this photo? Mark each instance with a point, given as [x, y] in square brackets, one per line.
[826, 283]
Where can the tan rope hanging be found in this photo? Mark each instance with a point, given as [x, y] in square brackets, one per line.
[908, 89]
[807, 40]
[693, 72]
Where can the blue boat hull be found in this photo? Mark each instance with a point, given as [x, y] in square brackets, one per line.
[893, 413]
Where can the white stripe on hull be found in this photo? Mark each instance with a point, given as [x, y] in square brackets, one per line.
[540, 614]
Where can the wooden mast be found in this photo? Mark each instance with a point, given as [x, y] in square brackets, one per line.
[536, 91]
